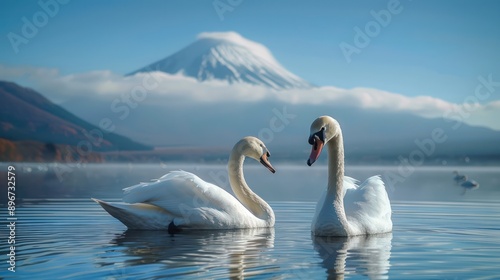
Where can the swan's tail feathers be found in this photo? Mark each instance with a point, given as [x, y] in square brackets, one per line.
[138, 215]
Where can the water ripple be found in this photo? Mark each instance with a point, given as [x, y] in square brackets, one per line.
[76, 239]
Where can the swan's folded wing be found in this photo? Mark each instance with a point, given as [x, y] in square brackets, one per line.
[350, 184]
[179, 183]
[369, 200]
[178, 192]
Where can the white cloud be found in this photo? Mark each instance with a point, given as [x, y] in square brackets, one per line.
[162, 87]
[493, 105]
[368, 98]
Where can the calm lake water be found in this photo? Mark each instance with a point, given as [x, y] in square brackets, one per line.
[440, 232]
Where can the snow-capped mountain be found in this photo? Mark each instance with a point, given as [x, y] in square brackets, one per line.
[228, 56]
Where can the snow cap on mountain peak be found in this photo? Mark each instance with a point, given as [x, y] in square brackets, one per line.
[236, 38]
[230, 57]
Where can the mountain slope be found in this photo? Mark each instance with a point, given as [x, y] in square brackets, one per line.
[230, 57]
[26, 115]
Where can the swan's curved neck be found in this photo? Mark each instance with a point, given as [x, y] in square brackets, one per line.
[336, 167]
[245, 195]
[335, 191]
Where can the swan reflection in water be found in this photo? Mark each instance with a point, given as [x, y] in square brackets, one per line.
[227, 253]
[366, 255]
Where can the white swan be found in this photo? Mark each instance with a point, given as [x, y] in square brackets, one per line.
[459, 178]
[346, 209]
[181, 199]
[469, 185]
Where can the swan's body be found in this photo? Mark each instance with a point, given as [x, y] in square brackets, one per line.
[181, 200]
[469, 185]
[346, 209]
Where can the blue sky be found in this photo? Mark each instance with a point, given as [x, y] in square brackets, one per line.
[435, 48]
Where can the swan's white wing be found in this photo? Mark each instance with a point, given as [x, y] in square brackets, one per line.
[190, 199]
[368, 207]
[350, 184]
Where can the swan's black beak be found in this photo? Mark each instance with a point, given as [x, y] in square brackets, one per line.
[265, 161]
[317, 140]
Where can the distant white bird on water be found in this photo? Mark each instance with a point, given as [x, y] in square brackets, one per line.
[465, 182]
[469, 185]
[458, 177]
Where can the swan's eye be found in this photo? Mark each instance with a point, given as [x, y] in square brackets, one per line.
[320, 135]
